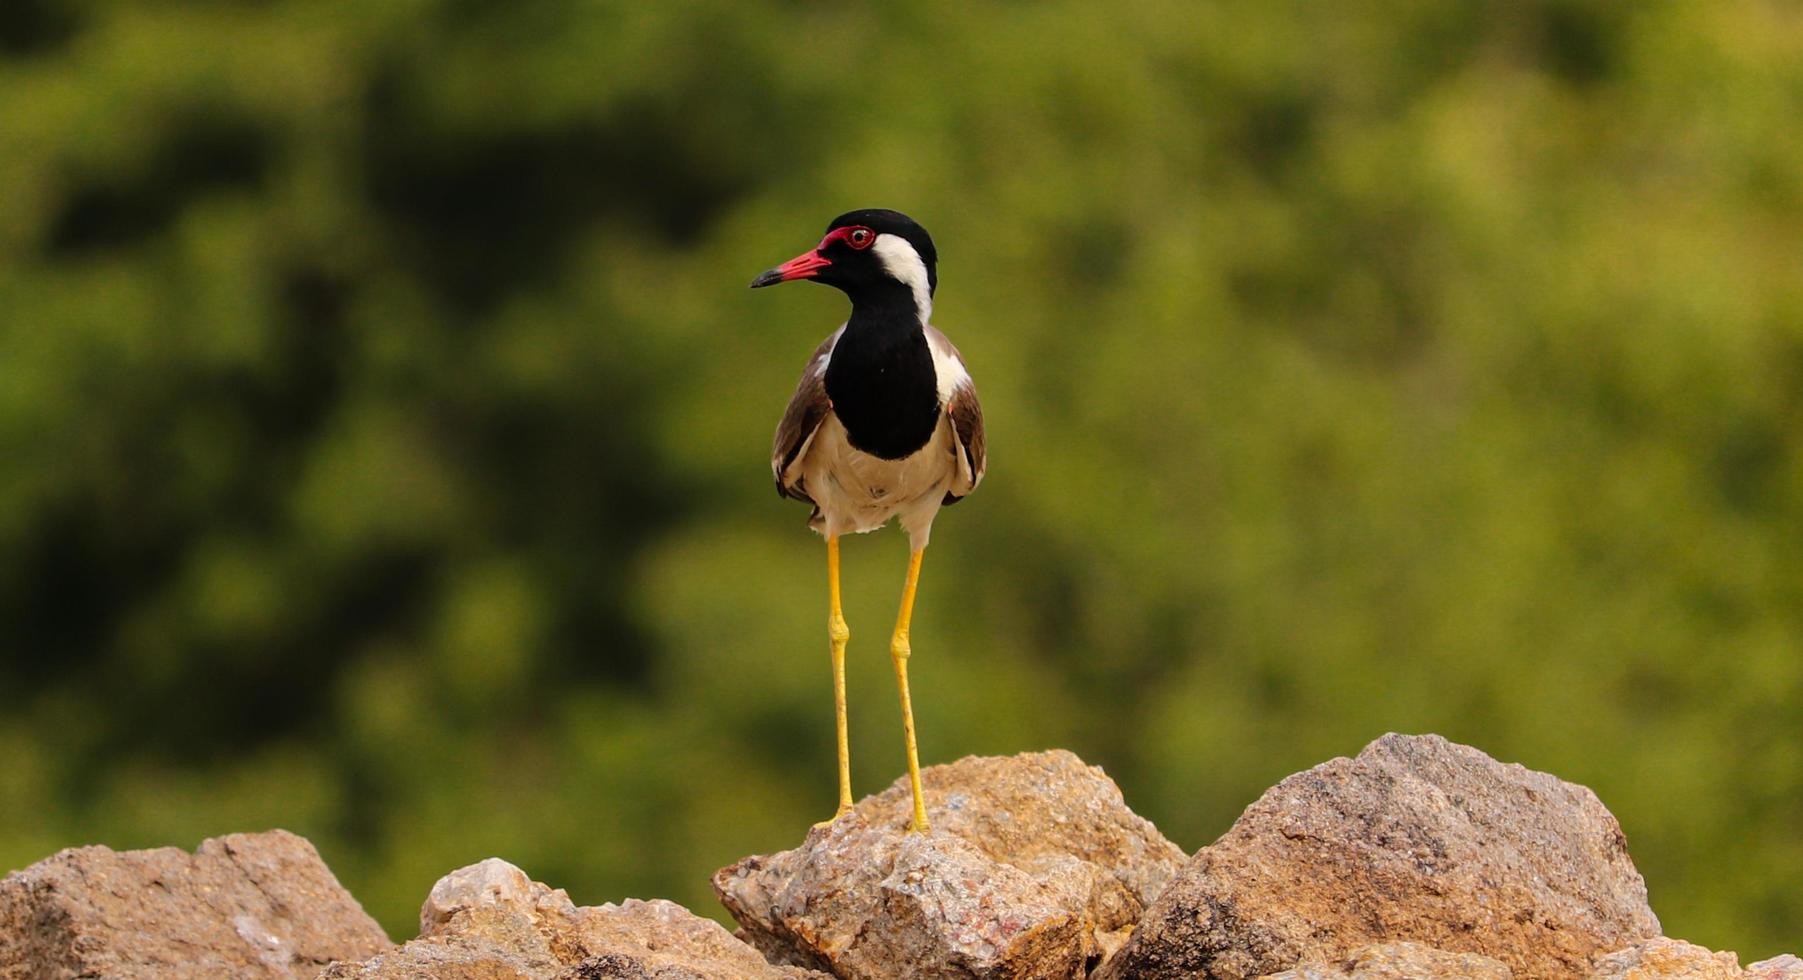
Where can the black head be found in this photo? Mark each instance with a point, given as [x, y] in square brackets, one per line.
[873, 255]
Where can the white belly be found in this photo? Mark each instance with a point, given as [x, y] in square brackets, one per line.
[858, 492]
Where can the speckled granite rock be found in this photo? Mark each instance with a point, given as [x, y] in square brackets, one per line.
[1417, 839]
[1666, 959]
[244, 906]
[1786, 967]
[489, 921]
[1032, 868]
[1400, 961]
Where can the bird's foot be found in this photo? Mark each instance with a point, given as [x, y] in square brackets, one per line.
[844, 808]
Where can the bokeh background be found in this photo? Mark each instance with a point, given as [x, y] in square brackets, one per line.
[384, 418]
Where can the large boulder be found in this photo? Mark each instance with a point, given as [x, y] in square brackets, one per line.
[489, 921]
[245, 906]
[1034, 867]
[1417, 839]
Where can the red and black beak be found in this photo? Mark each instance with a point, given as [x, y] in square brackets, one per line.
[807, 265]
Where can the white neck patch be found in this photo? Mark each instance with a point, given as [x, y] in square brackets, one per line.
[904, 266]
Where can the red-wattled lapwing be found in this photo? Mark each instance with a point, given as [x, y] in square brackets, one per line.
[884, 423]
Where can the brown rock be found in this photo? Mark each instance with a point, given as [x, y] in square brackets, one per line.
[489, 921]
[492, 882]
[1417, 839]
[1032, 867]
[1400, 961]
[1666, 959]
[242, 906]
[1786, 967]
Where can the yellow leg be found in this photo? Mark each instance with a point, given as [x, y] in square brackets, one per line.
[898, 652]
[840, 633]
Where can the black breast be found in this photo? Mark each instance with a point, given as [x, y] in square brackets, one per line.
[883, 388]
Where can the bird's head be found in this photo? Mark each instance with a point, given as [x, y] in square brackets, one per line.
[873, 256]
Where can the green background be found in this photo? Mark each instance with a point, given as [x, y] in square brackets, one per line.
[384, 418]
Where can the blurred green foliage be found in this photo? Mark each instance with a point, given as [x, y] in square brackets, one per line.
[383, 418]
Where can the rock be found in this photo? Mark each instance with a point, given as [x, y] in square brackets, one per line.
[242, 906]
[1417, 839]
[1786, 967]
[492, 882]
[1666, 959]
[1032, 868]
[489, 921]
[1400, 961]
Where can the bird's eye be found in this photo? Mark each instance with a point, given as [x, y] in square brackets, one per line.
[860, 237]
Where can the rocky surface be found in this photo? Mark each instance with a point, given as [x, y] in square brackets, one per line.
[1400, 961]
[1417, 839]
[1419, 859]
[244, 906]
[489, 921]
[1661, 958]
[1034, 867]
[1786, 967]
[1666, 959]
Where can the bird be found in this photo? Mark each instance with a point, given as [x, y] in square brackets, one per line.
[884, 424]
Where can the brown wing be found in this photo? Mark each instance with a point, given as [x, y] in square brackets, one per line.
[966, 415]
[807, 408]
